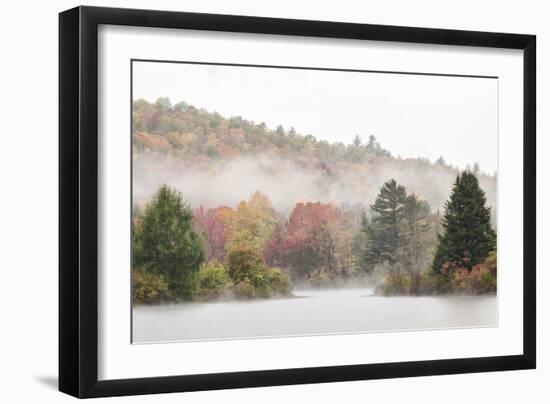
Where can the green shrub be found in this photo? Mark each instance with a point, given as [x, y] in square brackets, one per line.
[244, 290]
[452, 278]
[426, 283]
[212, 281]
[243, 264]
[279, 282]
[431, 284]
[253, 278]
[395, 284]
[260, 281]
[148, 287]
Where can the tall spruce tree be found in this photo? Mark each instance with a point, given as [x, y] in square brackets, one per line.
[165, 243]
[468, 236]
[383, 232]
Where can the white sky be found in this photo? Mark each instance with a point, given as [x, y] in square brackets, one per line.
[411, 116]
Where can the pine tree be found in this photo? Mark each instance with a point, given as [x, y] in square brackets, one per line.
[356, 152]
[165, 243]
[384, 230]
[468, 236]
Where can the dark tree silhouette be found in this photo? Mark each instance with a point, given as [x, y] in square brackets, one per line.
[468, 236]
[383, 232]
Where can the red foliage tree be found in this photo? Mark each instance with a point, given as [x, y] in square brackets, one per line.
[305, 236]
[274, 253]
[211, 224]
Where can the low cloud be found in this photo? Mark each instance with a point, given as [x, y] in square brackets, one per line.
[215, 183]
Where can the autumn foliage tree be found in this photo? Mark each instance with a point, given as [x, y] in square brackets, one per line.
[212, 225]
[273, 252]
[251, 224]
[417, 238]
[308, 244]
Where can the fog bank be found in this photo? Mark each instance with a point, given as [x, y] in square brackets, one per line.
[217, 183]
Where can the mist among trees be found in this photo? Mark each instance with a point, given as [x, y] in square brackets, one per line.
[227, 208]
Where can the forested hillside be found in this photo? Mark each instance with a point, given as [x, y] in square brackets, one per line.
[182, 145]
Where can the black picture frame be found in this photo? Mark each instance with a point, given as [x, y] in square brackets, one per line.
[78, 201]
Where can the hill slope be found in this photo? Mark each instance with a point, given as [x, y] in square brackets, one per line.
[215, 160]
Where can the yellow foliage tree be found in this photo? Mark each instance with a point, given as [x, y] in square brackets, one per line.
[251, 224]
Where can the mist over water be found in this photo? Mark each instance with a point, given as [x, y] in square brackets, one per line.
[312, 312]
[227, 182]
[212, 183]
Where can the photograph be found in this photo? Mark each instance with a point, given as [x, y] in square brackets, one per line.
[288, 201]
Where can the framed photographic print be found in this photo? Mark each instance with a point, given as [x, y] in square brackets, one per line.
[251, 201]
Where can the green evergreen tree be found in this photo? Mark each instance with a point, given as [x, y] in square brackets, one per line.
[468, 236]
[165, 243]
[383, 232]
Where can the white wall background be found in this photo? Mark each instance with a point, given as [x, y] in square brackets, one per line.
[28, 203]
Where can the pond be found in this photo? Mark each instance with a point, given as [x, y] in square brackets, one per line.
[310, 312]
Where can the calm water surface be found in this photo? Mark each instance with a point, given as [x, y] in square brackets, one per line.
[311, 312]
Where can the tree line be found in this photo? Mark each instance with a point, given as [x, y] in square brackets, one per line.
[251, 251]
[183, 130]
[425, 254]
